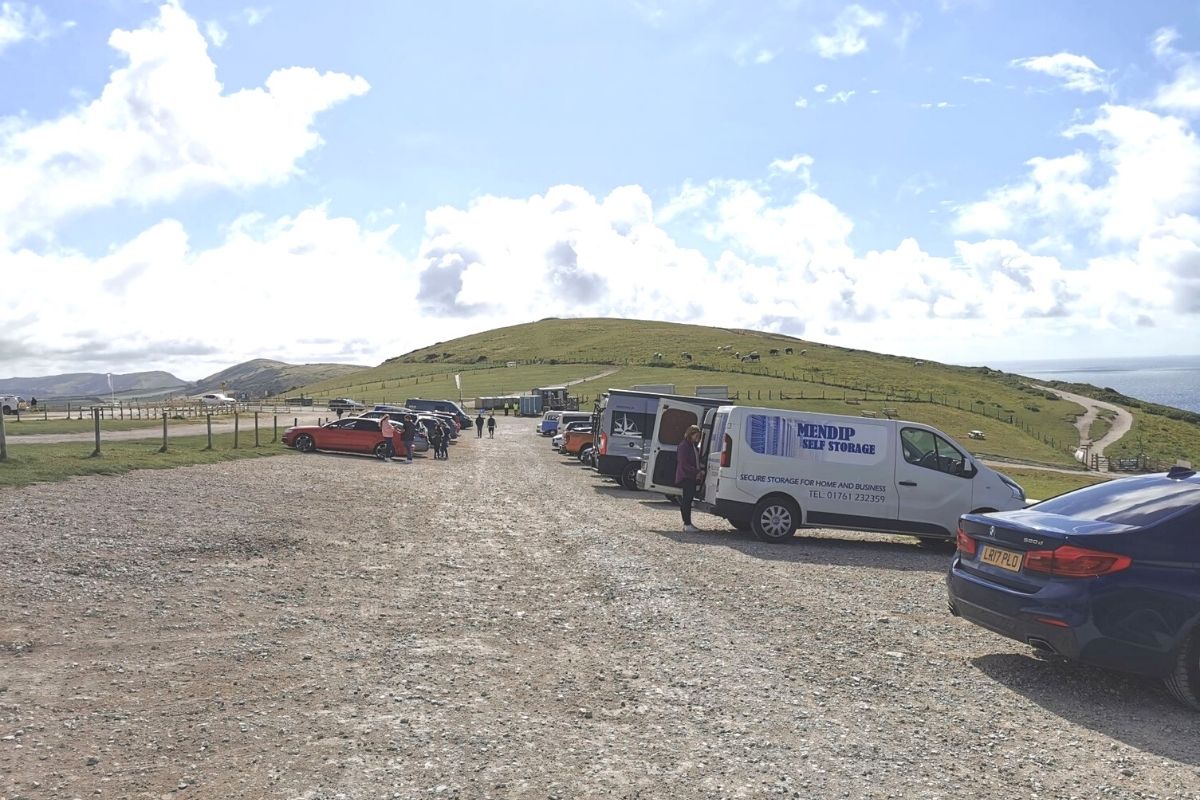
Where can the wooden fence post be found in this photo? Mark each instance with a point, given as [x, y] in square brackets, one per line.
[3, 441]
[235, 430]
[96, 420]
[163, 449]
[275, 428]
[209, 420]
[256, 444]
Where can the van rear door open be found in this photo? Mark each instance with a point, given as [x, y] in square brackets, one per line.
[673, 418]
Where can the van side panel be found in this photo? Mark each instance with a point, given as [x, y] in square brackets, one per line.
[829, 464]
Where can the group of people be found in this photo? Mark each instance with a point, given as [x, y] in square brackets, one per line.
[491, 425]
[404, 427]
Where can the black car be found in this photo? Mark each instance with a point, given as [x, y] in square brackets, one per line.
[1108, 575]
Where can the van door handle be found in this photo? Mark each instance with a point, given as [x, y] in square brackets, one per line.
[908, 483]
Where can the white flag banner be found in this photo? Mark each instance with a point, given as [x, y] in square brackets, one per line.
[458, 382]
[110, 389]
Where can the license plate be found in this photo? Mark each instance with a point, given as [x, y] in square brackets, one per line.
[998, 557]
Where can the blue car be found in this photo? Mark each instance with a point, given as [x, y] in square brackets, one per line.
[1108, 575]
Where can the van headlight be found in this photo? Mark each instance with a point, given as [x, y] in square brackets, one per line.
[1017, 492]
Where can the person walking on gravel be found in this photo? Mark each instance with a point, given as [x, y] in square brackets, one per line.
[389, 435]
[492, 425]
[479, 426]
[688, 474]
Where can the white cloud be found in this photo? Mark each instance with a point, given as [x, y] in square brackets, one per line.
[765, 56]
[821, 88]
[939, 104]
[1078, 73]
[842, 97]
[216, 34]
[254, 16]
[20, 21]
[801, 102]
[847, 36]
[161, 126]
[978, 79]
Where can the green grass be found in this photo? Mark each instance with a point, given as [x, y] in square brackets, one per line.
[43, 463]
[1162, 439]
[1040, 484]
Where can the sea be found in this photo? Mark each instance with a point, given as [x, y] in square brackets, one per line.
[1168, 380]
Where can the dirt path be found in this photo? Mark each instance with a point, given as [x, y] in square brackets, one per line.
[174, 428]
[1120, 425]
[504, 625]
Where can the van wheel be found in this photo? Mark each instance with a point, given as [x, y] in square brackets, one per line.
[775, 519]
[629, 475]
[1184, 681]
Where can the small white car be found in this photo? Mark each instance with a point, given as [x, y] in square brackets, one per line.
[217, 399]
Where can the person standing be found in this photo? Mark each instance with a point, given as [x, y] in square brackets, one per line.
[409, 436]
[688, 474]
[479, 426]
[492, 425]
[435, 440]
[389, 434]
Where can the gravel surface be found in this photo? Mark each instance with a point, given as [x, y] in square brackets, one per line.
[504, 624]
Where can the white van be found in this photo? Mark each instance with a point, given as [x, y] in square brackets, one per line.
[772, 470]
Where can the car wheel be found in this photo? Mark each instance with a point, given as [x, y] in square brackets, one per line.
[381, 450]
[775, 519]
[1184, 681]
[305, 443]
[585, 453]
[629, 475]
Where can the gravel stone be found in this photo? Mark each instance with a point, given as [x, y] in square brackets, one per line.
[505, 625]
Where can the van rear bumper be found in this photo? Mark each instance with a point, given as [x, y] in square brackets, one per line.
[612, 466]
[731, 510]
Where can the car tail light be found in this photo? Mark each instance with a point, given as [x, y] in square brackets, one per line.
[726, 451]
[604, 444]
[966, 545]
[1069, 561]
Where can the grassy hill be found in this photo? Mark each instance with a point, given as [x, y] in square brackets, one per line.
[261, 377]
[1019, 422]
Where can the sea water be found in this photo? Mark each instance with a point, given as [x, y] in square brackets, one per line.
[1167, 380]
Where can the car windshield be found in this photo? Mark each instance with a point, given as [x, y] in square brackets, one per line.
[1130, 501]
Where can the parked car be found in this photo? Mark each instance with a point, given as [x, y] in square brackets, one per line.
[217, 399]
[577, 440]
[11, 404]
[349, 435]
[556, 441]
[1108, 575]
[424, 423]
[345, 404]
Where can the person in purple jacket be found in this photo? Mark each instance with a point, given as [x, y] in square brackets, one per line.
[688, 474]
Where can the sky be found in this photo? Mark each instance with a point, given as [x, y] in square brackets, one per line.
[188, 185]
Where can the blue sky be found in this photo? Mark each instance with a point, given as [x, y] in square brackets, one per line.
[186, 185]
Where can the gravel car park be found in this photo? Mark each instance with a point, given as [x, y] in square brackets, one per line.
[299, 627]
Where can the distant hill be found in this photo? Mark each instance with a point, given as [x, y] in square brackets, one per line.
[261, 377]
[94, 384]
[256, 378]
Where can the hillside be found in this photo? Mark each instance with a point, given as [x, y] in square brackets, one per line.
[93, 384]
[1019, 422]
[261, 377]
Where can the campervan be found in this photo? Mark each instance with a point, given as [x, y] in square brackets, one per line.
[772, 471]
[623, 422]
